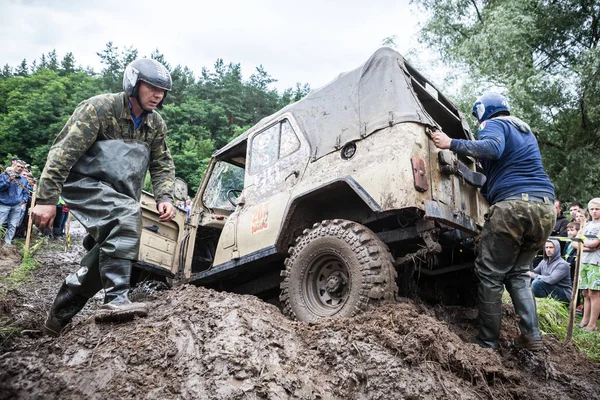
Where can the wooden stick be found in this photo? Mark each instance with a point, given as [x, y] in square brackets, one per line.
[68, 233]
[30, 221]
[575, 290]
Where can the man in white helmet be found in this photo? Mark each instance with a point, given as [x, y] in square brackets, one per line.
[98, 163]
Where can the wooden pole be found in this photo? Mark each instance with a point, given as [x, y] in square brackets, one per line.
[68, 233]
[30, 221]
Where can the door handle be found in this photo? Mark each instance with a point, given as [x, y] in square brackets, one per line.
[295, 173]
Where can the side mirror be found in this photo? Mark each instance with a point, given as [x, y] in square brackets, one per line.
[181, 189]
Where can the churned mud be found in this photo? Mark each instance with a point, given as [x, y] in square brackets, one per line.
[202, 344]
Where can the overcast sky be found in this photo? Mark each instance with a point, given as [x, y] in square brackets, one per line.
[309, 41]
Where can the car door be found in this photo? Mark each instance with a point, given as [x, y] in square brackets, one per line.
[277, 157]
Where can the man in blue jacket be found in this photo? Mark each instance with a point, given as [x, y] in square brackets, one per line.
[519, 221]
[13, 197]
[552, 276]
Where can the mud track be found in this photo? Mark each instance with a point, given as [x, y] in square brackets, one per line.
[202, 344]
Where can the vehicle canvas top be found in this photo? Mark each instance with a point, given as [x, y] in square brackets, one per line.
[376, 95]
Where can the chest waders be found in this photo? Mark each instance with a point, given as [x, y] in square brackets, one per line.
[513, 233]
[103, 192]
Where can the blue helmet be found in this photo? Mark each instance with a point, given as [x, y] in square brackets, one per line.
[488, 105]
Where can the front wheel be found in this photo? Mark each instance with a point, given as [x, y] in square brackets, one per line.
[336, 269]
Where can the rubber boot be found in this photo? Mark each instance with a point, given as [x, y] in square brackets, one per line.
[489, 294]
[522, 298]
[65, 306]
[490, 321]
[115, 274]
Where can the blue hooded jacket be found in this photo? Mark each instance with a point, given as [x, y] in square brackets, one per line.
[510, 157]
[11, 193]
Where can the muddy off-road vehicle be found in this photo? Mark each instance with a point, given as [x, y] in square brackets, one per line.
[334, 202]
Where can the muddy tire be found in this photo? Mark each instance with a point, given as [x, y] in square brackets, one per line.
[146, 290]
[336, 269]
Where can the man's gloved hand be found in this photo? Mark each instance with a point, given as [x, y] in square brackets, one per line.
[43, 216]
[166, 212]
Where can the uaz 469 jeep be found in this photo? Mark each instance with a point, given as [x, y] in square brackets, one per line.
[334, 201]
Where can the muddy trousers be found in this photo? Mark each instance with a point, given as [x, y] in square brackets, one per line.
[97, 272]
[512, 234]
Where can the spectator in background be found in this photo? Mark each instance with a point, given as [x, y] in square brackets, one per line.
[589, 275]
[560, 228]
[56, 232]
[13, 198]
[188, 209]
[551, 278]
[65, 217]
[13, 162]
[21, 231]
[582, 217]
[575, 207]
[570, 253]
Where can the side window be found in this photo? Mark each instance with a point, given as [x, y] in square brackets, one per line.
[272, 144]
[289, 141]
[264, 149]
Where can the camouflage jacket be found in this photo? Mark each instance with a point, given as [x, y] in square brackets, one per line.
[106, 117]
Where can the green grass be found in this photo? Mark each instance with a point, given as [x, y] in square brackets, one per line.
[553, 317]
[24, 272]
[18, 276]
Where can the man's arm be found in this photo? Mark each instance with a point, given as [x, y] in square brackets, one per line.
[162, 173]
[72, 142]
[490, 145]
[590, 245]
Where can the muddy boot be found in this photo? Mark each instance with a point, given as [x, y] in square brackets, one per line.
[490, 320]
[115, 274]
[530, 342]
[489, 294]
[66, 305]
[524, 303]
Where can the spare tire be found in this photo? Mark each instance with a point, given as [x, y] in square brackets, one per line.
[337, 268]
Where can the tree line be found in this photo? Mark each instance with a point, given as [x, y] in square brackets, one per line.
[202, 113]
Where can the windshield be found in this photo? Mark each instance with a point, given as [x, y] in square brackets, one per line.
[224, 177]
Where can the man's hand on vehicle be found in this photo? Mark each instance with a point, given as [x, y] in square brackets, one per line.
[166, 212]
[43, 215]
[441, 140]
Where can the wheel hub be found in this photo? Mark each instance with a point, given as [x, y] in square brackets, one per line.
[335, 283]
[326, 285]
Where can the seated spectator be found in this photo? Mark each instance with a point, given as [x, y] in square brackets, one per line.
[551, 278]
[560, 228]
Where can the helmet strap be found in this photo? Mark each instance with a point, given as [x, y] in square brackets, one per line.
[136, 95]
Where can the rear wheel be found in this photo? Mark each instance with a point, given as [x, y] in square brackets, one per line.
[336, 269]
